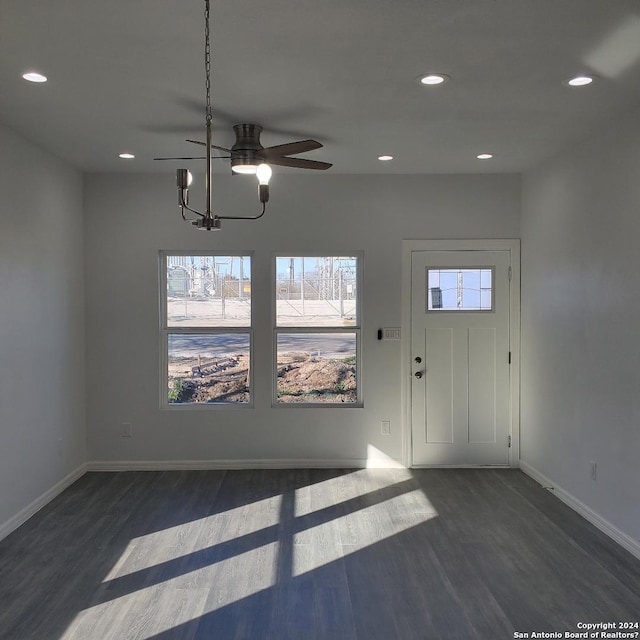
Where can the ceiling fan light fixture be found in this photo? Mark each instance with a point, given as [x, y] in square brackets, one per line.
[183, 178]
[263, 173]
[248, 168]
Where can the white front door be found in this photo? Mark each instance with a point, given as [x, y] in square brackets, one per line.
[460, 357]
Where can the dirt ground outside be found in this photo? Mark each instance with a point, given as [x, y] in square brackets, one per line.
[305, 378]
[302, 378]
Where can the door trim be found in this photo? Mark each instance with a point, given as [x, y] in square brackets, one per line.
[510, 244]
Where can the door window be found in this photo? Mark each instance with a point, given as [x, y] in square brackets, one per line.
[459, 289]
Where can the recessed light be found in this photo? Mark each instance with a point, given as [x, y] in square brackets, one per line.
[431, 79]
[33, 76]
[484, 156]
[126, 156]
[385, 158]
[580, 81]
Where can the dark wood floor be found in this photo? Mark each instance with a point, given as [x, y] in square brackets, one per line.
[309, 554]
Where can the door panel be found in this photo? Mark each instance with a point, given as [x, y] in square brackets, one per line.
[482, 384]
[438, 402]
[460, 389]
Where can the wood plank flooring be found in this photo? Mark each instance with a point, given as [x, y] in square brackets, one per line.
[309, 554]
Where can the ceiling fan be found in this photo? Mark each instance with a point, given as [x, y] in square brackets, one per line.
[247, 152]
[247, 155]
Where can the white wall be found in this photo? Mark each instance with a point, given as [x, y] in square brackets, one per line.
[129, 218]
[42, 425]
[580, 322]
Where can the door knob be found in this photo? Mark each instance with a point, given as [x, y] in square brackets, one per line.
[418, 374]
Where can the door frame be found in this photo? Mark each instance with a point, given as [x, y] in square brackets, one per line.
[408, 248]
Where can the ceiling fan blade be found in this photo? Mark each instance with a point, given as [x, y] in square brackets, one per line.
[213, 146]
[196, 158]
[291, 148]
[299, 163]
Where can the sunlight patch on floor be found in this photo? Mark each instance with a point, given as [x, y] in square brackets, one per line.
[151, 610]
[347, 534]
[173, 543]
[332, 492]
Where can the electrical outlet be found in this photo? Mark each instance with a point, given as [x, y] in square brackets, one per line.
[385, 428]
[594, 471]
[127, 430]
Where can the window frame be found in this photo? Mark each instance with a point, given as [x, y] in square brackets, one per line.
[165, 331]
[308, 329]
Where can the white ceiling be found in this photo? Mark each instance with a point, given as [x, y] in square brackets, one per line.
[128, 75]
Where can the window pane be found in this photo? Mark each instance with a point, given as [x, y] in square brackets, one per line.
[208, 368]
[459, 289]
[316, 291]
[317, 367]
[208, 291]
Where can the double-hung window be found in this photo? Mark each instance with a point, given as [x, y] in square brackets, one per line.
[317, 330]
[206, 329]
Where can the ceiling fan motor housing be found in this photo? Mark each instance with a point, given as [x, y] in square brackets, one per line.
[247, 147]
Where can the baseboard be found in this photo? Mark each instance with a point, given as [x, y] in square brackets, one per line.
[187, 465]
[462, 466]
[31, 509]
[625, 541]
